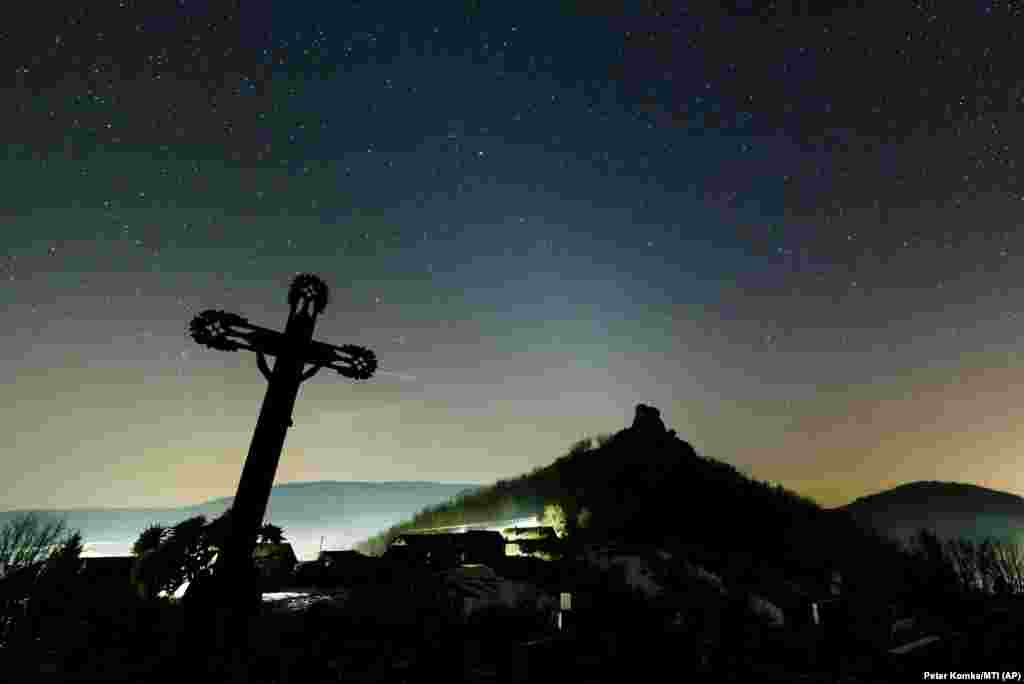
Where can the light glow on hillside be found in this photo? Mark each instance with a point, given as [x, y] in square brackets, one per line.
[493, 526]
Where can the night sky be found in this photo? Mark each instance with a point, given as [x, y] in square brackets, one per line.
[795, 233]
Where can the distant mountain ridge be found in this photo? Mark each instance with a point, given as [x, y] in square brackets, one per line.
[950, 509]
[341, 512]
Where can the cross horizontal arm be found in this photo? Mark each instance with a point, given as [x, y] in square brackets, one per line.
[230, 332]
[349, 360]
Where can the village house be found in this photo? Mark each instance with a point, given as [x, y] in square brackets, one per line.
[103, 588]
[96, 588]
[18, 583]
[446, 550]
[348, 568]
[529, 541]
[15, 588]
[309, 573]
[107, 575]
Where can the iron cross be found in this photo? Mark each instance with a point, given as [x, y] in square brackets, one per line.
[293, 349]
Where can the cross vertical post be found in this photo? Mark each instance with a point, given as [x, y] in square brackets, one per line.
[293, 349]
[257, 479]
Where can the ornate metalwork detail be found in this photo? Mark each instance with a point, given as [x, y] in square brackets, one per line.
[308, 289]
[211, 329]
[231, 332]
[348, 360]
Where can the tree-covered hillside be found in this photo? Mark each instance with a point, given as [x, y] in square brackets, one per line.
[645, 485]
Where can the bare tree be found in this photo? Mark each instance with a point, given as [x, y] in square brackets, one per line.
[1015, 559]
[991, 569]
[989, 566]
[27, 539]
[1010, 560]
[964, 556]
[555, 516]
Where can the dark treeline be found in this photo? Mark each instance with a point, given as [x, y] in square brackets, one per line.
[974, 568]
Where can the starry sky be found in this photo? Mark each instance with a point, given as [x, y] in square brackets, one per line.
[792, 227]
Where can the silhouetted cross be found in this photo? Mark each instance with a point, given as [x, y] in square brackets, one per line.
[294, 348]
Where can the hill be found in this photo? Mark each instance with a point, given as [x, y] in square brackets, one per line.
[950, 509]
[645, 485]
[343, 512]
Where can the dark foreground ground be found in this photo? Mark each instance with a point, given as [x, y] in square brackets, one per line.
[377, 657]
[335, 642]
